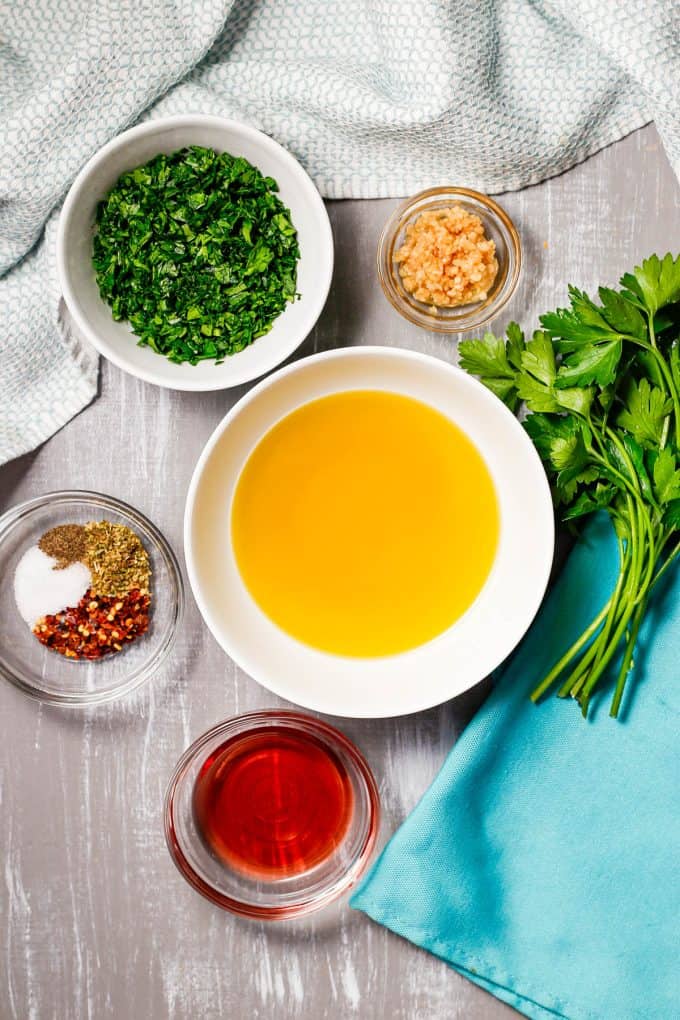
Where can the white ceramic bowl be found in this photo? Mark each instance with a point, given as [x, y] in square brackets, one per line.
[423, 676]
[115, 340]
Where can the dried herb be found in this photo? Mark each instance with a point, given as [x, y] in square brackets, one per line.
[196, 250]
[65, 544]
[117, 559]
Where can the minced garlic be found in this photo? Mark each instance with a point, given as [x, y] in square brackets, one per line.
[446, 258]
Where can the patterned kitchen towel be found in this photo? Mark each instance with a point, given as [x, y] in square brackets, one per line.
[544, 861]
[375, 98]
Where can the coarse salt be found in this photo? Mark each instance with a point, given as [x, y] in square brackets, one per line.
[40, 590]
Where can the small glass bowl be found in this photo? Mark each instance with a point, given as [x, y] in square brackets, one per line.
[498, 227]
[279, 898]
[49, 676]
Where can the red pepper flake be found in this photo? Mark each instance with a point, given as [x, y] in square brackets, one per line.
[97, 626]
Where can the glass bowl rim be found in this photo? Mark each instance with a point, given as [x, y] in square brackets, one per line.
[468, 321]
[304, 904]
[23, 510]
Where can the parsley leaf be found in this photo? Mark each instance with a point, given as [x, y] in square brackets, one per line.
[621, 315]
[486, 357]
[545, 430]
[587, 502]
[515, 345]
[489, 359]
[656, 282]
[671, 517]
[569, 451]
[538, 358]
[577, 399]
[645, 410]
[666, 476]
[592, 363]
[582, 323]
[536, 395]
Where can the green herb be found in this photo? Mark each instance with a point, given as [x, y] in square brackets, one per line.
[197, 252]
[602, 385]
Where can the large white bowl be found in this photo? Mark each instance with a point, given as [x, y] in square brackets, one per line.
[433, 672]
[115, 340]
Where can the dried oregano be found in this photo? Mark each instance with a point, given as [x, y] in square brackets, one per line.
[116, 558]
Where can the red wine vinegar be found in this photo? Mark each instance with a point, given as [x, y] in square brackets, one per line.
[273, 802]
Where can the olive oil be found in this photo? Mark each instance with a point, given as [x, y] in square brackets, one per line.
[365, 523]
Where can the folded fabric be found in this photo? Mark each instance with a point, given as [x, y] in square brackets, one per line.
[375, 99]
[71, 77]
[544, 861]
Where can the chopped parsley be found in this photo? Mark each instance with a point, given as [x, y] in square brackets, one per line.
[197, 251]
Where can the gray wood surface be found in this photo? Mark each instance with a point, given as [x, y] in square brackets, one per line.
[96, 922]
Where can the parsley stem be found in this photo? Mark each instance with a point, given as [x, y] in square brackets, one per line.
[639, 605]
[559, 667]
[626, 585]
[575, 682]
[669, 559]
[628, 657]
[598, 670]
[668, 377]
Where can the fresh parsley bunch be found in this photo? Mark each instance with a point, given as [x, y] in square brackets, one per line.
[601, 383]
[197, 251]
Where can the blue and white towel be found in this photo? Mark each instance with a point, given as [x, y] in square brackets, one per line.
[375, 97]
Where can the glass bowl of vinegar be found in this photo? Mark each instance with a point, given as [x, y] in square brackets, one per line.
[272, 814]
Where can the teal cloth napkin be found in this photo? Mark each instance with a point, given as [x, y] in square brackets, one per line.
[544, 861]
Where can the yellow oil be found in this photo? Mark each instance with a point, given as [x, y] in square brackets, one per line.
[365, 523]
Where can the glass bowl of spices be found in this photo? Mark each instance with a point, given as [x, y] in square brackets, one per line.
[449, 259]
[90, 598]
[272, 814]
